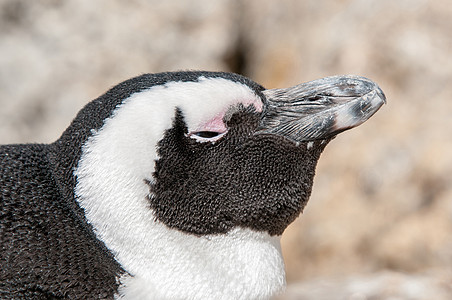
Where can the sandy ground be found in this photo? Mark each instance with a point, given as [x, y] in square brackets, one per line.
[379, 222]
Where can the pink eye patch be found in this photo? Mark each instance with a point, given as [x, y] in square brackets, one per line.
[216, 124]
[211, 130]
[214, 129]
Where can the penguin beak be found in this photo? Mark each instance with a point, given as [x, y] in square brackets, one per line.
[320, 109]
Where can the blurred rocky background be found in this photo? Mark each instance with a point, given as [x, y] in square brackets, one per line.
[379, 222]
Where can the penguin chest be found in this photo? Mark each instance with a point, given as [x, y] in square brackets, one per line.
[242, 264]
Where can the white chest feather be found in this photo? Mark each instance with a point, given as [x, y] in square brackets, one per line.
[241, 265]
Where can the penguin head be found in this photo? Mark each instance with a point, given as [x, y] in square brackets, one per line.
[212, 151]
[247, 158]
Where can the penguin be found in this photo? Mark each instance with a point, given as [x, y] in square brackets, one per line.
[173, 185]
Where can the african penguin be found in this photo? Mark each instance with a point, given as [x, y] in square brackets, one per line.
[170, 186]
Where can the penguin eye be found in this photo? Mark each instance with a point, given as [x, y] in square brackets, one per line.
[206, 136]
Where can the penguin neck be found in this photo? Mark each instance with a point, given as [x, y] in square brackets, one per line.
[164, 263]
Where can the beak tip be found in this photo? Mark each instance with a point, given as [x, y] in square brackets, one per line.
[381, 95]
